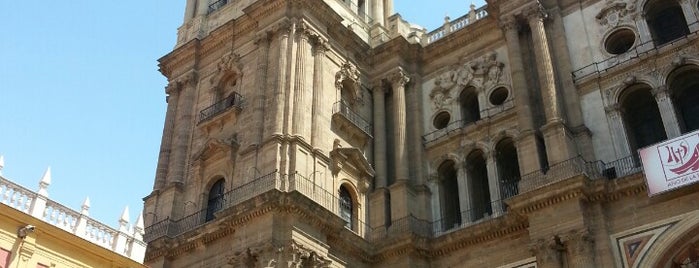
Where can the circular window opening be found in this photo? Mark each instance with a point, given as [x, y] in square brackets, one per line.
[441, 120]
[620, 41]
[498, 96]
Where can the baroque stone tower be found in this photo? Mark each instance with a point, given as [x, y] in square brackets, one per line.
[332, 133]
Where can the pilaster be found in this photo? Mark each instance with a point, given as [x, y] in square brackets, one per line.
[527, 152]
[173, 91]
[616, 126]
[667, 111]
[378, 93]
[465, 192]
[183, 128]
[262, 41]
[493, 184]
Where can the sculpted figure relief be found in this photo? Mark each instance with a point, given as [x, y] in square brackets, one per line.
[481, 73]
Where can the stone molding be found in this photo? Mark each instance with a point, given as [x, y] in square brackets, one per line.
[347, 78]
[482, 73]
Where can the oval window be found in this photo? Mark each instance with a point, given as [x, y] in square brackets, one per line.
[620, 41]
[498, 96]
[441, 120]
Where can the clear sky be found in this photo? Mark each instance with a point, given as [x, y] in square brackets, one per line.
[80, 91]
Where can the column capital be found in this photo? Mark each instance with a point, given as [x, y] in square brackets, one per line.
[320, 44]
[398, 78]
[578, 242]
[377, 87]
[509, 23]
[535, 12]
[660, 92]
[546, 250]
[303, 31]
[283, 28]
[263, 38]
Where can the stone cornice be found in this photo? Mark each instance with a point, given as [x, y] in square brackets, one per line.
[179, 60]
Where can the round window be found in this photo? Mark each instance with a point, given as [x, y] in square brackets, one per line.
[620, 41]
[498, 96]
[441, 120]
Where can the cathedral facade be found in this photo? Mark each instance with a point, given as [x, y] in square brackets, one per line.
[309, 133]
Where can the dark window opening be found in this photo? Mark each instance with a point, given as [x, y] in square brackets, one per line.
[451, 211]
[508, 167]
[346, 207]
[685, 91]
[498, 96]
[641, 116]
[480, 190]
[666, 21]
[441, 120]
[215, 199]
[620, 41]
[470, 111]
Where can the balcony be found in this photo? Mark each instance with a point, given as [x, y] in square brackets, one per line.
[234, 101]
[346, 118]
[217, 5]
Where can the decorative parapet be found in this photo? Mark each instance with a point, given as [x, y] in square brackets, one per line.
[457, 24]
[127, 241]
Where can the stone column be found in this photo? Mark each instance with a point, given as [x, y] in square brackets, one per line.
[299, 127]
[580, 247]
[262, 42]
[493, 184]
[387, 8]
[378, 93]
[547, 252]
[320, 46]
[559, 143]
[465, 189]
[189, 10]
[278, 108]
[377, 12]
[173, 91]
[667, 112]
[528, 160]
[544, 64]
[398, 80]
[616, 126]
[183, 128]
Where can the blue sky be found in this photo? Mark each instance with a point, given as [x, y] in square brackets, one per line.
[80, 91]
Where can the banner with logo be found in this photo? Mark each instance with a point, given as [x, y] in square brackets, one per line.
[671, 164]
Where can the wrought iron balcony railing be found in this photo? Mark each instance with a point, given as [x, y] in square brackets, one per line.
[217, 5]
[235, 100]
[343, 108]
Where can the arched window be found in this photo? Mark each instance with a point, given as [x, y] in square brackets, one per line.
[666, 20]
[480, 191]
[449, 197]
[215, 199]
[508, 167]
[641, 116]
[684, 88]
[347, 207]
[470, 111]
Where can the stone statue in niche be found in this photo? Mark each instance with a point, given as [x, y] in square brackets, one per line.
[347, 82]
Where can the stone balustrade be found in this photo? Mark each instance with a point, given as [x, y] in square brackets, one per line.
[454, 25]
[127, 240]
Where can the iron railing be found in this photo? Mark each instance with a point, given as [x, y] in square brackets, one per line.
[235, 100]
[639, 51]
[456, 126]
[343, 108]
[307, 187]
[217, 5]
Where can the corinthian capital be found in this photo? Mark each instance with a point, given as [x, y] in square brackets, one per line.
[398, 78]
[509, 23]
[535, 12]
